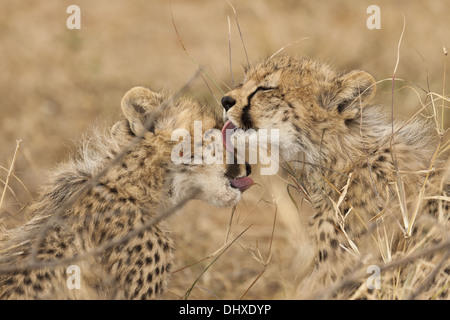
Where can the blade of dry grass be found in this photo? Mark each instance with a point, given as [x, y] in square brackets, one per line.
[11, 191]
[422, 191]
[188, 292]
[191, 57]
[229, 224]
[265, 262]
[399, 185]
[11, 168]
[443, 86]
[229, 51]
[29, 195]
[288, 45]
[212, 93]
[240, 32]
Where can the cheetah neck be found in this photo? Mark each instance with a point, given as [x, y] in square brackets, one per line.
[142, 173]
[364, 142]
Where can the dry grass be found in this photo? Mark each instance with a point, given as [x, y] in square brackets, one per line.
[56, 82]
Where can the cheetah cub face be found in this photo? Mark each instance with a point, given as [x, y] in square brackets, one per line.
[154, 116]
[299, 96]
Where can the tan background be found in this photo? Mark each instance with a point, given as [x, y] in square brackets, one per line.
[55, 83]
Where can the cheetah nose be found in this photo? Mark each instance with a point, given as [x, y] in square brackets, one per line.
[228, 102]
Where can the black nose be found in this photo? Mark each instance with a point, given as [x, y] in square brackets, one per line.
[228, 102]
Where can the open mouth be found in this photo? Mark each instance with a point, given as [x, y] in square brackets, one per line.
[227, 130]
[242, 183]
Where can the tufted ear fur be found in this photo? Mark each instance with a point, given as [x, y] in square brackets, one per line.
[357, 89]
[138, 106]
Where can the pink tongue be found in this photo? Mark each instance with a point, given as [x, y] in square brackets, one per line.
[242, 184]
[227, 142]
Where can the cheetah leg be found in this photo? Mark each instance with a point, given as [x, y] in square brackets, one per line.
[333, 253]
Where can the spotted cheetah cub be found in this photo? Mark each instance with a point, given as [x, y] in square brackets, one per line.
[144, 182]
[348, 161]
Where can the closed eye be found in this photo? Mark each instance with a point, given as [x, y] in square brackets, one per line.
[262, 88]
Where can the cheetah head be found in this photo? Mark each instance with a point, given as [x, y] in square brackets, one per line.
[157, 117]
[299, 96]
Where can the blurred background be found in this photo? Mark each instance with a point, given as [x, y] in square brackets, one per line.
[55, 83]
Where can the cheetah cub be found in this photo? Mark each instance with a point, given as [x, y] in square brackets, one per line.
[143, 183]
[348, 161]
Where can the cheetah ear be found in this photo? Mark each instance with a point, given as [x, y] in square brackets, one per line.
[357, 91]
[139, 105]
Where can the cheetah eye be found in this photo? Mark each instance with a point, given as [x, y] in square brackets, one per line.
[262, 88]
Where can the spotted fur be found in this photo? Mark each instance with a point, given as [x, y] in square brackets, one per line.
[351, 164]
[129, 194]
